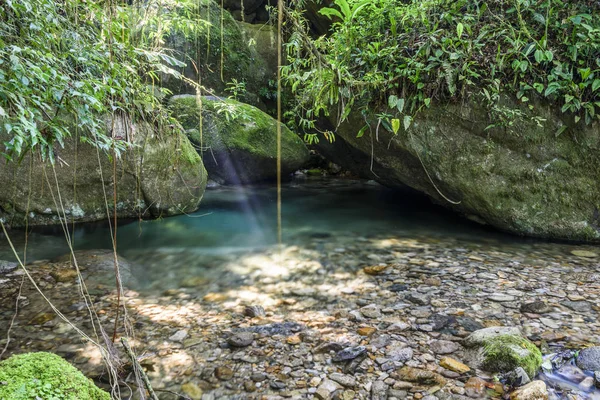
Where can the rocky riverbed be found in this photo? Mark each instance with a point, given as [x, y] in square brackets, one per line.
[381, 317]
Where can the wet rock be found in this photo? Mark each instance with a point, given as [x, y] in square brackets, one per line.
[502, 349]
[375, 270]
[444, 347]
[579, 306]
[329, 346]
[223, 373]
[535, 390]
[597, 379]
[587, 384]
[454, 365]
[481, 336]
[280, 328]
[178, 336]
[277, 385]
[418, 298]
[192, 390]
[441, 321]
[7, 266]
[469, 324]
[517, 377]
[397, 287]
[420, 376]
[475, 387]
[366, 331]
[371, 311]
[535, 307]
[344, 380]
[254, 311]
[399, 353]
[349, 353]
[571, 373]
[584, 253]
[241, 339]
[589, 359]
[501, 298]
[379, 390]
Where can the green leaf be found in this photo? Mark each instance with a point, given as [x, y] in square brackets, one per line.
[427, 102]
[392, 101]
[459, 29]
[539, 87]
[595, 85]
[362, 131]
[539, 56]
[400, 105]
[407, 122]
[330, 13]
[395, 125]
[560, 130]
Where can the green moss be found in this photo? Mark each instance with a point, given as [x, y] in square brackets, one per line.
[504, 353]
[46, 376]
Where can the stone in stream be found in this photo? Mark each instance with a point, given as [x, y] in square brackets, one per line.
[379, 390]
[571, 373]
[454, 365]
[578, 306]
[241, 339]
[349, 353]
[535, 307]
[535, 390]
[589, 359]
[278, 328]
[502, 349]
[418, 298]
[517, 377]
[597, 379]
[444, 347]
[254, 311]
[420, 376]
[7, 266]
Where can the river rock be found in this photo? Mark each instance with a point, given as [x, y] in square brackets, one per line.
[515, 178]
[241, 339]
[535, 307]
[502, 349]
[535, 390]
[238, 141]
[444, 347]
[517, 377]
[421, 376]
[160, 175]
[589, 359]
[379, 390]
[454, 365]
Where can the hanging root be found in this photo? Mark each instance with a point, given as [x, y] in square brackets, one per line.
[138, 368]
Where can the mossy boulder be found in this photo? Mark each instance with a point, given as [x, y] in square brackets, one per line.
[42, 375]
[205, 55]
[238, 141]
[502, 350]
[160, 175]
[516, 175]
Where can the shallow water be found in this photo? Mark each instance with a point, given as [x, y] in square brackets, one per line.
[245, 217]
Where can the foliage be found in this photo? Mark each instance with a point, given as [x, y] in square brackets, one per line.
[236, 88]
[75, 61]
[45, 376]
[406, 55]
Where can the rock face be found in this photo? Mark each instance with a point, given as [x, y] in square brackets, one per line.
[38, 375]
[160, 175]
[520, 178]
[201, 52]
[239, 141]
[502, 350]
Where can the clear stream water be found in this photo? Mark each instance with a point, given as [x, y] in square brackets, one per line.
[233, 218]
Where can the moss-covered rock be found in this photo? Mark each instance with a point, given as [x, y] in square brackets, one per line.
[519, 176]
[205, 55]
[238, 141]
[502, 350]
[41, 375]
[160, 175]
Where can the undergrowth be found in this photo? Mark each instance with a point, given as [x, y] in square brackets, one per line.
[408, 55]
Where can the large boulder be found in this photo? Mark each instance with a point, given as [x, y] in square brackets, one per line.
[160, 175]
[238, 141]
[520, 177]
[45, 376]
[214, 46]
